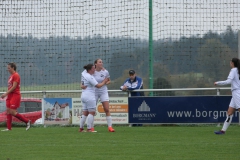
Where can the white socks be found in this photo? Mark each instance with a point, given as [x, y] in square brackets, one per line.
[82, 121]
[227, 123]
[93, 122]
[90, 121]
[109, 121]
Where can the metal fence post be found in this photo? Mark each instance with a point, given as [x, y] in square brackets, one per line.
[129, 95]
[44, 94]
[43, 116]
[218, 92]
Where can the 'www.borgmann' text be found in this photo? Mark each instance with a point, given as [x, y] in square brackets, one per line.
[198, 114]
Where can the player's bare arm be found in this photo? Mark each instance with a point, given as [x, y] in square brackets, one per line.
[99, 85]
[108, 82]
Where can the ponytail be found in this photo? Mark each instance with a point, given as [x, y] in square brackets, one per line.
[236, 63]
[88, 67]
[238, 67]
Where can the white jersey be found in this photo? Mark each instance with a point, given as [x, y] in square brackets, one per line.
[233, 79]
[100, 76]
[89, 81]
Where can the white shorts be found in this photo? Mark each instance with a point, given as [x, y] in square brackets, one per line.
[88, 103]
[102, 96]
[235, 101]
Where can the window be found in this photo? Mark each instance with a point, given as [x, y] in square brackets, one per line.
[32, 106]
[21, 109]
[2, 106]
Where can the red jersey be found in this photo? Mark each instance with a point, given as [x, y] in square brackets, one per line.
[14, 78]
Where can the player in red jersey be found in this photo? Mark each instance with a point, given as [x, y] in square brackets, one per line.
[13, 97]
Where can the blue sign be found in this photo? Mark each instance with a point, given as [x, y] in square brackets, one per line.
[195, 109]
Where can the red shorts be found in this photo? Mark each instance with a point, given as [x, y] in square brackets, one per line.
[13, 101]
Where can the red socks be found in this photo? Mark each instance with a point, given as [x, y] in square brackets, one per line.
[9, 121]
[22, 118]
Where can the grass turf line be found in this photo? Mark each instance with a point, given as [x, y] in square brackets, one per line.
[131, 143]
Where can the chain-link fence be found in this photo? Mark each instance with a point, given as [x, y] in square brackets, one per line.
[51, 41]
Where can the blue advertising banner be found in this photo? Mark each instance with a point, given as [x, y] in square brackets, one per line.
[193, 109]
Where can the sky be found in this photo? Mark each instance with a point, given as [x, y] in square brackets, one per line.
[49, 102]
[118, 18]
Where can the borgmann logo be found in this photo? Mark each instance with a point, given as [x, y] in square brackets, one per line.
[144, 116]
[198, 114]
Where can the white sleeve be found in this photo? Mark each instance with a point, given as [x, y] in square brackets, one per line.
[229, 79]
[124, 84]
[107, 74]
[92, 81]
[84, 71]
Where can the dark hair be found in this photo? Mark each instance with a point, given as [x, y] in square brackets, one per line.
[88, 67]
[13, 65]
[95, 62]
[236, 63]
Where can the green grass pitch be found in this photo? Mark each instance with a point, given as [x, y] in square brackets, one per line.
[127, 143]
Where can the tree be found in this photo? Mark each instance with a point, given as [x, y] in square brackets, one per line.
[213, 59]
[229, 38]
[60, 115]
[162, 83]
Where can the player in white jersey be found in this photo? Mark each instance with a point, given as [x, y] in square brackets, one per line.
[234, 80]
[102, 93]
[88, 96]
